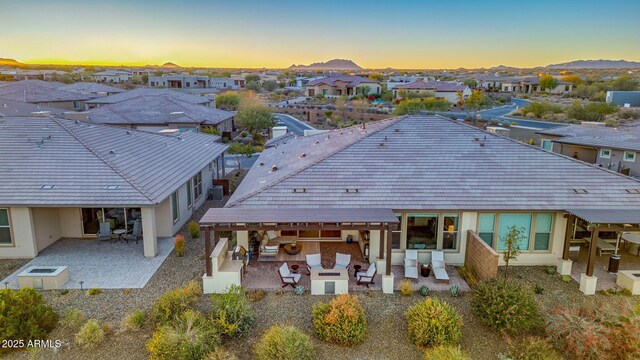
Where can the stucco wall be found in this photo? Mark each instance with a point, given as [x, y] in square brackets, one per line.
[46, 223]
[23, 233]
[71, 223]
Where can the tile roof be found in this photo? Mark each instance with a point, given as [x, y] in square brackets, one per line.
[91, 88]
[80, 160]
[36, 91]
[440, 86]
[351, 79]
[426, 162]
[111, 99]
[626, 138]
[236, 215]
[163, 109]
[18, 108]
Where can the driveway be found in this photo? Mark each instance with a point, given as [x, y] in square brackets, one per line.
[294, 125]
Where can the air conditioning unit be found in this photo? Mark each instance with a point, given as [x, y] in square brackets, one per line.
[215, 193]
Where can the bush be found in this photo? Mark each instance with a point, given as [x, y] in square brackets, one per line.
[538, 289]
[179, 244]
[91, 334]
[445, 353]
[72, 319]
[134, 321]
[221, 354]
[284, 343]
[469, 275]
[566, 278]
[433, 323]
[24, 316]
[191, 336]
[506, 306]
[406, 287]
[551, 270]
[256, 295]
[533, 348]
[299, 290]
[174, 302]
[194, 229]
[540, 109]
[232, 313]
[94, 292]
[341, 321]
[454, 290]
[424, 290]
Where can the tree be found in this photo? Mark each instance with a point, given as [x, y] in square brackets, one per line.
[361, 105]
[254, 117]
[241, 149]
[341, 105]
[574, 79]
[408, 107]
[253, 85]
[548, 82]
[363, 90]
[145, 79]
[472, 83]
[270, 85]
[623, 83]
[511, 243]
[376, 77]
[252, 77]
[474, 102]
[228, 101]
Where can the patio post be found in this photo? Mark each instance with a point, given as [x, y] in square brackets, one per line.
[207, 249]
[592, 251]
[222, 160]
[382, 241]
[567, 237]
[387, 241]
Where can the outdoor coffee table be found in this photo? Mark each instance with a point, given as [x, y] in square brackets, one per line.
[356, 268]
[293, 249]
[119, 232]
[294, 268]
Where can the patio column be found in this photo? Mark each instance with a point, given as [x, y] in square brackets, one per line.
[222, 165]
[149, 232]
[588, 282]
[387, 241]
[207, 250]
[564, 264]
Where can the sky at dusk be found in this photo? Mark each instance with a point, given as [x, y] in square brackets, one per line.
[276, 34]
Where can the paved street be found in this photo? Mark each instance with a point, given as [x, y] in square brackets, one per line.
[295, 126]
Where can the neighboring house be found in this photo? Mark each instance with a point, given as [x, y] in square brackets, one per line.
[43, 93]
[489, 82]
[10, 108]
[624, 98]
[179, 81]
[302, 81]
[398, 80]
[445, 181]
[238, 81]
[156, 113]
[342, 85]
[112, 76]
[92, 89]
[194, 99]
[440, 89]
[616, 149]
[223, 83]
[62, 178]
[36, 74]
[530, 85]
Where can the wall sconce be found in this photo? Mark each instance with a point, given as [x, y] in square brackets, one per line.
[450, 229]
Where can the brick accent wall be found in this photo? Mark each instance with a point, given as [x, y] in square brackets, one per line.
[480, 258]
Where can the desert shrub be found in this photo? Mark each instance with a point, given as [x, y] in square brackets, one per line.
[445, 353]
[232, 313]
[179, 244]
[433, 323]
[90, 335]
[454, 290]
[194, 229]
[538, 289]
[533, 348]
[299, 290]
[424, 290]
[256, 295]
[341, 321]
[406, 287]
[609, 330]
[628, 114]
[134, 321]
[506, 306]
[566, 278]
[73, 319]
[551, 270]
[469, 275]
[190, 336]
[24, 316]
[221, 354]
[174, 302]
[94, 292]
[284, 343]
[541, 108]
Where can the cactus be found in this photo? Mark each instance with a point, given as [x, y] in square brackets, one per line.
[454, 291]
[299, 290]
[424, 290]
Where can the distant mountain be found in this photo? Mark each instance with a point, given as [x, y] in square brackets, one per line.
[10, 62]
[170, 65]
[502, 68]
[335, 64]
[596, 64]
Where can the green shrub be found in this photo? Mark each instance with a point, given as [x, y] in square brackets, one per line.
[194, 229]
[551, 270]
[341, 321]
[406, 287]
[73, 319]
[94, 292]
[179, 245]
[299, 290]
[506, 306]
[134, 321]
[424, 290]
[454, 290]
[232, 313]
[432, 323]
[566, 278]
[468, 275]
[91, 334]
[24, 316]
[284, 343]
[174, 302]
[538, 289]
[190, 336]
[256, 295]
[533, 348]
[221, 354]
[445, 353]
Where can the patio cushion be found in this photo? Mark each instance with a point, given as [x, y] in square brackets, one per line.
[342, 261]
[437, 259]
[296, 278]
[271, 234]
[314, 261]
[411, 272]
[441, 274]
[284, 270]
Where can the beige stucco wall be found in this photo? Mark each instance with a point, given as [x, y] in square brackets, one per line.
[71, 223]
[46, 223]
[23, 233]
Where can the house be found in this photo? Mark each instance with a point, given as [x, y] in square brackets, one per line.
[43, 93]
[339, 85]
[616, 149]
[180, 81]
[531, 84]
[62, 178]
[398, 80]
[130, 94]
[238, 81]
[489, 82]
[156, 113]
[10, 108]
[223, 83]
[112, 76]
[426, 183]
[622, 98]
[92, 89]
[440, 89]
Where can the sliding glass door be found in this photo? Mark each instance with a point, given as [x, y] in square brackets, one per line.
[118, 218]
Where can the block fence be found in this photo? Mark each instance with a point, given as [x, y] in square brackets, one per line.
[480, 257]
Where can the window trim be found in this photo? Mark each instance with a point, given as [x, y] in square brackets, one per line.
[12, 242]
[546, 141]
[624, 156]
[175, 205]
[197, 185]
[532, 230]
[404, 223]
[189, 194]
[602, 155]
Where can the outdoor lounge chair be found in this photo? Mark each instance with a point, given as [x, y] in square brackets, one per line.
[287, 277]
[105, 232]
[366, 277]
[438, 266]
[314, 261]
[268, 250]
[136, 233]
[411, 264]
[343, 261]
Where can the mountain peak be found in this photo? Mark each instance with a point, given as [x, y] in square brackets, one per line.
[10, 62]
[596, 64]
[170, 65]
[334, 64]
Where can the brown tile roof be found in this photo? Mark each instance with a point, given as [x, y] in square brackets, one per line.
[232, 215]
[441, 86]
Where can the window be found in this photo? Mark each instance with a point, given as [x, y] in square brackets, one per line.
[174, 207]
[189, 194]
[522, 221]
[396, 235]
[197, 186]
[5, 228]
[325, 92]
[486, 224]
[605, 153]
[422, 231]
[333, 234]
[547, 145]
[450, 231]
[629, 156]
[118, 218]
[76, 104]
[543, 232]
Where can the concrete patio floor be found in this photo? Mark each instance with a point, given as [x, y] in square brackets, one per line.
[100, 265]
[606, 280]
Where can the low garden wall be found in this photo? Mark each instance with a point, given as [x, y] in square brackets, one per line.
[316, 116]
[480, 258]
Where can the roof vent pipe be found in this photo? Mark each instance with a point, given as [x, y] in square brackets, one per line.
[274, 167]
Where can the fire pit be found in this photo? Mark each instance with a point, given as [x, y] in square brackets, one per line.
[43, 277]
[629, 279]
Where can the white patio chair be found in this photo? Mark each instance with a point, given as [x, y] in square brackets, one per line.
[411, 264]
[438, 266]
[343, 261]
[105, 232]
[366, 278]
[314, 261]
[136, 233]
[287, 277]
